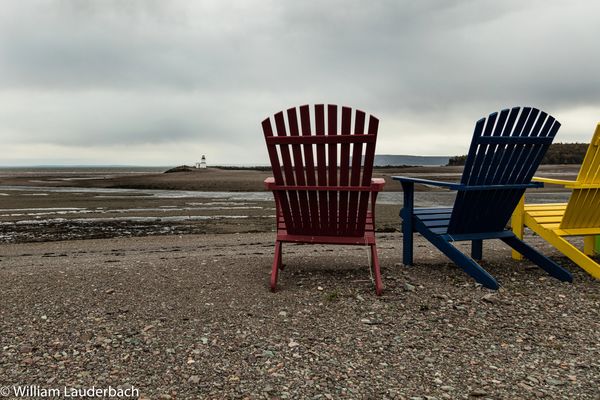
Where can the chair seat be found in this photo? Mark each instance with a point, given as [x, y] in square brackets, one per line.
[550, 216]
[436, 219]
[367, 238]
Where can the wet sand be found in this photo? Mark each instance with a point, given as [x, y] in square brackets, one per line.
[46, 205]
[224, 180]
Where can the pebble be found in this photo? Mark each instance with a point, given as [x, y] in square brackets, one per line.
[489, 298]
[25, 348]
[409, 287]
[268, 353]
[478, 393]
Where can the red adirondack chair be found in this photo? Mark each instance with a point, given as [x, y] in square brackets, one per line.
[317, 202]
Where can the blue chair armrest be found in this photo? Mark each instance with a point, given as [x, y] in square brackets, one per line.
[466, 188]
[407, 179]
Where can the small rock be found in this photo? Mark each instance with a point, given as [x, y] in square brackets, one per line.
[268, 353]
[109, 291]
[447, 388]
[25, 348]
[524, 386]
[293, 343]
[478, 393]
[489, 298]
[195, 379]
[320, 288]
[282, 314]
[409, 287]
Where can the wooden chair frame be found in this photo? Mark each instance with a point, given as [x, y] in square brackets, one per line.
[322, 179]
[580, 216]
[505, 151]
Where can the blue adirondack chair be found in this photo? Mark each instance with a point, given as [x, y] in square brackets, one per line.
[505, 152]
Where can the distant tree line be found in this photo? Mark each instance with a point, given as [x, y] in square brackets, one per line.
[558, 153]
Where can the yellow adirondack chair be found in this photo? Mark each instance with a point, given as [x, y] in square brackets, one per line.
[580, 216]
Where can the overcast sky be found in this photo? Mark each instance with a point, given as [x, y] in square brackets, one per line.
[161, 82]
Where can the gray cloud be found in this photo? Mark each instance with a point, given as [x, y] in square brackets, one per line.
[202, 75]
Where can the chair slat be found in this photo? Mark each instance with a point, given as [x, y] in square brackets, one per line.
[359, 130]
[344, 170]
[330, 139]
[305, 219]
[309, 163]
[321, 168]
[332, 150]
[367, 168]
[281, 199]
[288, 172]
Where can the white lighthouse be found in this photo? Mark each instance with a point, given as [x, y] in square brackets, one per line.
[203, 162]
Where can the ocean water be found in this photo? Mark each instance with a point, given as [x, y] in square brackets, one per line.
[80, 170]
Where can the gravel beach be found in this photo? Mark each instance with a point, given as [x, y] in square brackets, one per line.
[191, 317]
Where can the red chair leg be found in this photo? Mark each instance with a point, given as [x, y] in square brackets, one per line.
[376, 271]
[276, 262]
[281, 256]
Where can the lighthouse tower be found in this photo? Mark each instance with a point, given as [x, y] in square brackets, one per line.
[203, 162]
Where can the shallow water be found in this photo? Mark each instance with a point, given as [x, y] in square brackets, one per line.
[425, 199]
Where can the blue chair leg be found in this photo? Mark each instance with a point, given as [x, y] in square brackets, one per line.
[467, 264]
[542, 261]
[477, 249]
[407, 240]
[406, 213]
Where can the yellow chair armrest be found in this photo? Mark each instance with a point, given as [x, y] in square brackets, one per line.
[563, 182]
